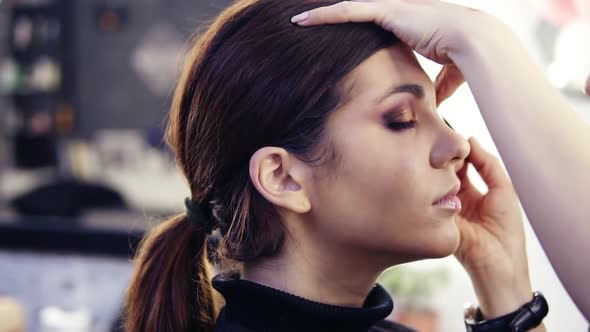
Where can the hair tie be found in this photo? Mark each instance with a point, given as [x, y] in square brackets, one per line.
[197, 216]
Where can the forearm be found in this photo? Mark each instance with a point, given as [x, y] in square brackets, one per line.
[543, 143]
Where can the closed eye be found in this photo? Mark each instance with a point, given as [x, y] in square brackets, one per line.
[399, 126]
[399, 120]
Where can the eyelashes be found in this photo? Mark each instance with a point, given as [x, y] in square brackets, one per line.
[399, 126]
[448, 124]
[404, 119]
[399, 120]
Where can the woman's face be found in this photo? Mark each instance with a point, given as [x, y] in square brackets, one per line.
[394, 159]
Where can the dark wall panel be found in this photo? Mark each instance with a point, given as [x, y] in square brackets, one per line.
[125, 53]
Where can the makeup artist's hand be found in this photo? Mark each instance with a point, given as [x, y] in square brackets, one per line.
[448, 80]
[492, 247]
[588, 86]
[435, 29]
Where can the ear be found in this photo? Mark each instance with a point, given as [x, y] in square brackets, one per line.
[279, 177]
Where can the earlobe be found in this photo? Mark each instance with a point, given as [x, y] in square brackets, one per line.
[278, 177]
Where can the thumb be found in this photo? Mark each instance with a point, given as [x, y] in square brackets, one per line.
[448, 80]
[487, 165]
[467, 189]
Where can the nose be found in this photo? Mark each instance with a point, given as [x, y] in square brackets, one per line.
[450, 149]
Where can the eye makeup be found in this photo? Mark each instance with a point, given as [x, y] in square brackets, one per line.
[397, 123]
[399, 120]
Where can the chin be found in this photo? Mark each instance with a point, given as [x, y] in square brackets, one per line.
[420, 250]
[445, 251]
[446, 245]
[425, 243]
[439, 245]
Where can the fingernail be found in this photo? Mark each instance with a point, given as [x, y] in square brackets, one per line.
[300, 18]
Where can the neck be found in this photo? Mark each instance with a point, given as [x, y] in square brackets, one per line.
[321, 274]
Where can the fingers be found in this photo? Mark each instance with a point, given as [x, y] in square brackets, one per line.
[467, 188]
[447, 82]
[588, 86]
[342, 12]
[487, 165]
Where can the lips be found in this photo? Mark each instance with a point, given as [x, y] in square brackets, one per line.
[450, 202]
[452, 192]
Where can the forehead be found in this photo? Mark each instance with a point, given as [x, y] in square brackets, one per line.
[384, 70]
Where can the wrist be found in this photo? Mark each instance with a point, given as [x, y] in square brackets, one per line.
[528, 317]
[499, 295]
[479, 37]
[502, 301]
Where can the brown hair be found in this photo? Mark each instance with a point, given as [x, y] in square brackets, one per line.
[252, 79]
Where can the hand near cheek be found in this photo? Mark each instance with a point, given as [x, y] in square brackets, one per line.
[492, 247]
[491, 224]
[448, 80]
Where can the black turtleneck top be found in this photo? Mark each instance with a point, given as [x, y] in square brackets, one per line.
[251, 307]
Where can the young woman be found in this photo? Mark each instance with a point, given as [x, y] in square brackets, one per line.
[540, 137]
[318, 155]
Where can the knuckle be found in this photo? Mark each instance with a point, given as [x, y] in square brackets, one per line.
[344, 9]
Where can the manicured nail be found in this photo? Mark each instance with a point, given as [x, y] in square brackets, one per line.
[300, 18]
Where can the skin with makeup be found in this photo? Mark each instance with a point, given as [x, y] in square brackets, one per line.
[523, 112]
[418, 182]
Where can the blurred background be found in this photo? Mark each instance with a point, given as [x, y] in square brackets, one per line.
[85, 86]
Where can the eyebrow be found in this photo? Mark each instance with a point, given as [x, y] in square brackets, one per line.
[413, 89]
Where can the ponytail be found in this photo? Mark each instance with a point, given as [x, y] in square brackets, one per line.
[170, 290]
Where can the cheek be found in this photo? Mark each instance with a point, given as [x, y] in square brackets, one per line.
[385, 176]
[368, 190]
[378, 199]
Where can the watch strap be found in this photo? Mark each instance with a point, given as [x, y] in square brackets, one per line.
[528, 316]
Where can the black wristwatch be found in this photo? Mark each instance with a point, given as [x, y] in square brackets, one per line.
[525, 318]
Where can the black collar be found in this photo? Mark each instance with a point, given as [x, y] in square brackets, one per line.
[255, 307]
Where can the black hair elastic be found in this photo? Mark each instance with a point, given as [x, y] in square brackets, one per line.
[198, 217]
